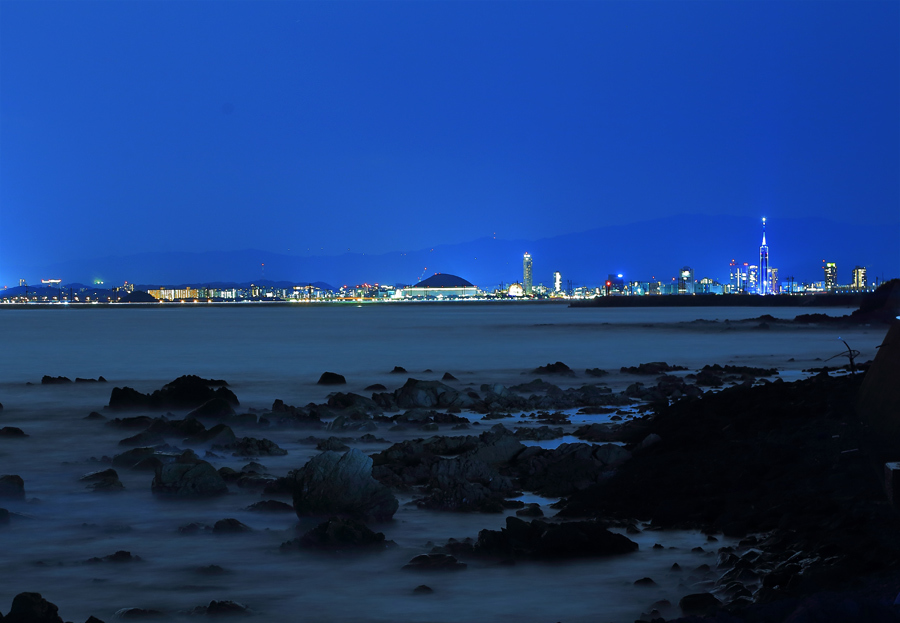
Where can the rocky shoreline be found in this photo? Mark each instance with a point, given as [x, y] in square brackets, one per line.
[781, 469]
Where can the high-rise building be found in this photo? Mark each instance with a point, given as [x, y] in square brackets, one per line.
[526, 270]
[764, 284]
[773, 281]
[686, 280]
[830, 269]
[557, 282]
[860, 282]
[752, 286]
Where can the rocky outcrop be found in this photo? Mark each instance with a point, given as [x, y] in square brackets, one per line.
[651, 369]
[105, 480]
[55, 380]
[32, 608]
[12, 431]
[12, 487]
[185, 392]
[217, 408]
[424, 394]
[331, 378]
[250, 446]
[558, 368]
[567, 468]
[188, 477]
[354, 406]
[225, 608]
[331, 484]
[434, 562]
[542, 540]
[337, 535]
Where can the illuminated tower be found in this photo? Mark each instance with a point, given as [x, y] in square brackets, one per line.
[557, 282]
[830, 276]
[526, 270]
[764, 284]
[859, 278]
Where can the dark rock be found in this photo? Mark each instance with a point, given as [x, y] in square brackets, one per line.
[104, 480]
[542, 540]
[12, 431]
[434, 562]
[4, 516]
[530, 510]
[32, 608]
[567, 468]
[448, 377]
[270, 506]
[219, 435]
[91, 619]
[429, 395]
[214, 409]
[338, 535]
[225, 608]
[331, 378]
[136, 613]
[398, 370]
[54, 380]
[185, 392]
[645, 582]
[597, 372]
[118, 557]
[250, 446]
[194, 528]
[12, 486]
[653, 368]
[212, 570]
[230, 526]
[331, 484]
[376, 387]
[555, 368]
[99, 379]
[699, 604]
[423, 589]
[333, 444]
[188, 479]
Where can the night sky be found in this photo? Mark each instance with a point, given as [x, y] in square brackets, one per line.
[317, 128]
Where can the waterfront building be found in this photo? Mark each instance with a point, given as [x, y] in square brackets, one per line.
[441, 286]
[830, 269]
[860, 281]
[764, 283]
[516, 290]
[557, 282]
[173, 294]
[752, 283]
[773, 281]
[526, 273]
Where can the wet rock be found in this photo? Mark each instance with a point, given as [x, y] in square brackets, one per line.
[530, 510]
[189, 478]
[93, 619]
[4, 516]
[104, 480]
[119, 557]
[12, 486]
[32, 608]
[652, 368]
[212, 570]
[398, 370]
[338, 535]
[331, 378]
[699, 604]
[434, 562]
[230, 526]
[226, 608]
[213, 409]
[448, 377]
[194, 528]
[645, 582]
[331, 484]
[544, 541]
[423, 589]
[12, 431]
[135, 614]
[185, 392]
[218, 435]
[354, 406]
[429, 395]
[55, 380]
[376, 387]
[250, 446]
[558, 368]
[270, 506]
[99, 379]
[567, 468]
[333, 444]
[596, 372]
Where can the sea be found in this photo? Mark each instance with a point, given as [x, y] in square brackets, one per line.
[279, 352]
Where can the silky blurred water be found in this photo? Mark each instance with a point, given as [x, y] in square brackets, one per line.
[279, 352]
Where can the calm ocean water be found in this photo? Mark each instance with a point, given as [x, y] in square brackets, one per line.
[279, 352]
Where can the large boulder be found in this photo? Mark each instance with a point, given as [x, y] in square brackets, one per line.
[12, 486]
[331, 484]
[32, 608]
[430, 394]
[185, 392]
[338, 535]
[542, 540]
[332, 378]
[569, 468]
[188, 477]
[105, 480]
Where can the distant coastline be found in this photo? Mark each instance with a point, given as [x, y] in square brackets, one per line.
[725, 300]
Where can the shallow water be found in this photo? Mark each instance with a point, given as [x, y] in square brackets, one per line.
[268, 353]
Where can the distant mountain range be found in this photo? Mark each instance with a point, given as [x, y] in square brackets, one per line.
[652, 249]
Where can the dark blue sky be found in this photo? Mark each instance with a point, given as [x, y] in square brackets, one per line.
[311, 128]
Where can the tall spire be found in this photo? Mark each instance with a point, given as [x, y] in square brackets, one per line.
[764, 231]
